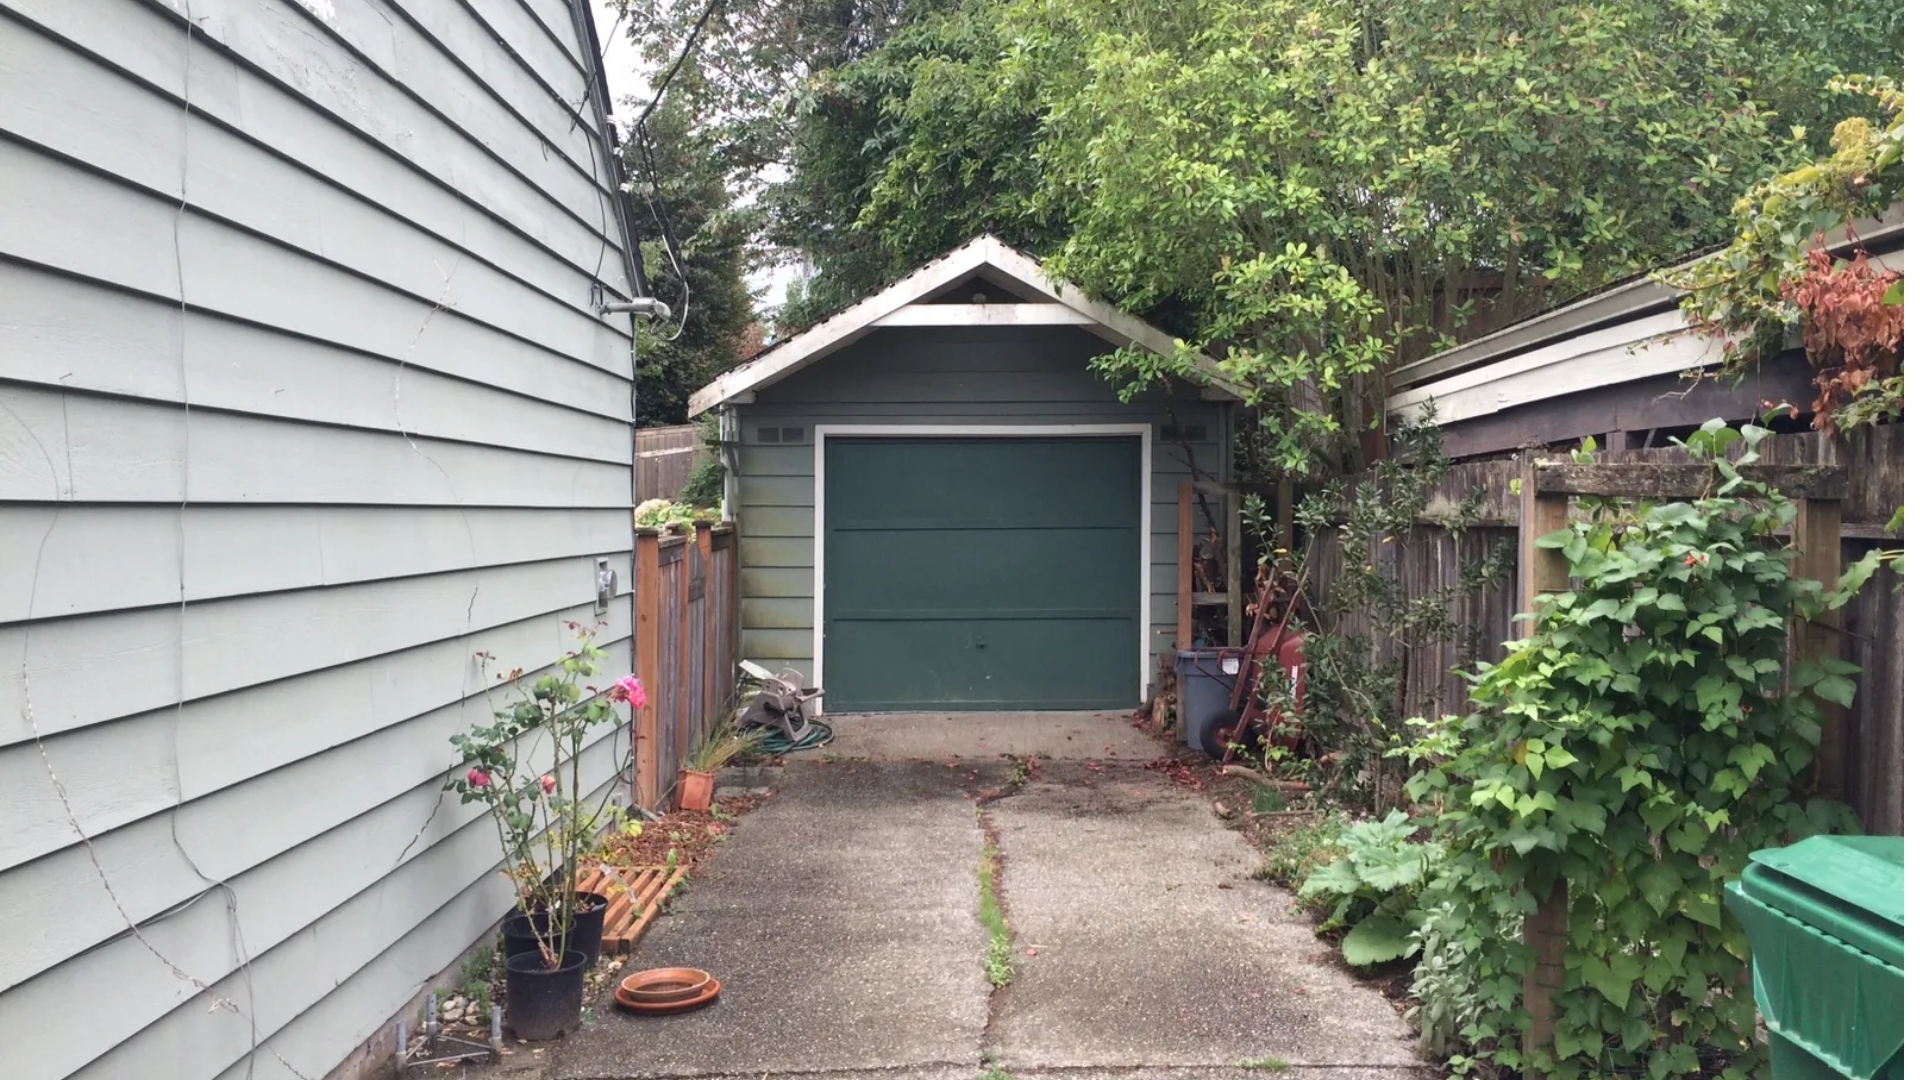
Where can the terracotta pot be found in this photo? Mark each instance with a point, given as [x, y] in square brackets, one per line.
[628, 1004]
[664, 986]
[696, 790]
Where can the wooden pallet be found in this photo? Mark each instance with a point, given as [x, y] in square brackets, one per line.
[634, 896]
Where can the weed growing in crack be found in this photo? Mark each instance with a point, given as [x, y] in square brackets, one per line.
[1266, 1064]
[1000, 939]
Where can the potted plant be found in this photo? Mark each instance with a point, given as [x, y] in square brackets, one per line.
[721, 744]
[525, 766]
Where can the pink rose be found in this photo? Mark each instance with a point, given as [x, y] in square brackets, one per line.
[478, 778]
[628, 689]
[546, 783]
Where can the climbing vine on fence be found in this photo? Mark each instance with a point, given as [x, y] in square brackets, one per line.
[1638, 745]
[1363, 617]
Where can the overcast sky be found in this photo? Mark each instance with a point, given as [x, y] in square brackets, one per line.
[627, 79]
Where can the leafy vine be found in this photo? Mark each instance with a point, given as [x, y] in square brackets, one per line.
[1644, 739]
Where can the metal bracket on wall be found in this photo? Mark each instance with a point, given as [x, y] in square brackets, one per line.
[605, 583]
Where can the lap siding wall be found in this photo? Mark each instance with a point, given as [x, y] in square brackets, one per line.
[302, 405]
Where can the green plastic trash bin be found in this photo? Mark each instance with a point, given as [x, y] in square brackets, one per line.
[1824, 919]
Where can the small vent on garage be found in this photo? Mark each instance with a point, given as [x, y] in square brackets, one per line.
[767, 434]
[1192, 433]
[793, 434]
[780, 434]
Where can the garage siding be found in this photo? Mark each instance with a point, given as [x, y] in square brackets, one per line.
[933, 376]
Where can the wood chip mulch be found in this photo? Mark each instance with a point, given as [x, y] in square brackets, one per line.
[682, 838]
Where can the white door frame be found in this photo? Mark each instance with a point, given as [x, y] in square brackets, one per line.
[823, 432]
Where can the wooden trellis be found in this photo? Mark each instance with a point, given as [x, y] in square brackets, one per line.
[1547, 491]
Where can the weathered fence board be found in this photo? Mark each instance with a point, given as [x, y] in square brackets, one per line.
[1429, 560]
[663, 459]
[683, 647]
[1873, 461]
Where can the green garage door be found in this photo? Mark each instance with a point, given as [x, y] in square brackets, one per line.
[982, 573]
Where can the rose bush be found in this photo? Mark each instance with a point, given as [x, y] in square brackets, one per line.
[519, 762]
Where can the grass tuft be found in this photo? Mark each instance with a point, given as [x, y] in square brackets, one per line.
[476, 977]
[1301, 850]
[1266, 1064]
[1000, 939]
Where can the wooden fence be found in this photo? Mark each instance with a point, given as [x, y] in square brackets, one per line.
[1872, 635]
[663, 459]
[683, 647]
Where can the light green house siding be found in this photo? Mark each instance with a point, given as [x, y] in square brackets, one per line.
[930, 377]
[304, 401]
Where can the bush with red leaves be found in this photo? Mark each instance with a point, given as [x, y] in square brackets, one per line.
[1854, 338]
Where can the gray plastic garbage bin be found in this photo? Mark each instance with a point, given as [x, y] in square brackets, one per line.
[1206, 688]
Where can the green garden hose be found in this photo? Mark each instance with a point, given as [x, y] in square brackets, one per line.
[819, 733]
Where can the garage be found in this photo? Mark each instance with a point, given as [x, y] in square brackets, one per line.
[942, 505]
[981, 572]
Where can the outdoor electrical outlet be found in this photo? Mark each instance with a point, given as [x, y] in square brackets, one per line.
[604, 585]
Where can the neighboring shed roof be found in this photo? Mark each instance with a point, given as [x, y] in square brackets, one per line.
[905, 303]
[1630, 332]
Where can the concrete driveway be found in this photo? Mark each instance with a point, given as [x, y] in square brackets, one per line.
[842, 919]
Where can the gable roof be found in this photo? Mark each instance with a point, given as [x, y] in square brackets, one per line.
[900, 304]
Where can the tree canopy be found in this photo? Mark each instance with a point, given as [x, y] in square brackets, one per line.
[702, 277]
[1312, 190]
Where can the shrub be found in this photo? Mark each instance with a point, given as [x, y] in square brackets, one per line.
[1375, 888]
[705, 480]
[1637, 746]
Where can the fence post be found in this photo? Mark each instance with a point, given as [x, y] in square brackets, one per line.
[1236, 600]
[1816, 557]
[1183, 617]
[685, 723]
[1545, 931]
[646, 666]
[701, 695]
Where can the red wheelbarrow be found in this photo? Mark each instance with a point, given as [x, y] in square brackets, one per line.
[1248, 714]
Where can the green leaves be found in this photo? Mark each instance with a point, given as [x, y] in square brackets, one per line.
[1638, 745]
[1613, 976]
[1378, 938]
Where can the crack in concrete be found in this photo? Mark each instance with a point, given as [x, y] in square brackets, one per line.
[1023, 769]
[993, 884]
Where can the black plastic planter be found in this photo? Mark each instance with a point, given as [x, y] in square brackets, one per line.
[518, 933]
[544, 1003]
[588, 926]
[521, 932]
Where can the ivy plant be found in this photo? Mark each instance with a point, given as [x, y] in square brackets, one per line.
[1638, 745]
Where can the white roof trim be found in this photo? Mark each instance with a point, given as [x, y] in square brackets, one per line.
[1042, 314]
[987, 257]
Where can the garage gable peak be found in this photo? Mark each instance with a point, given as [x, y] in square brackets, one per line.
[984, 282]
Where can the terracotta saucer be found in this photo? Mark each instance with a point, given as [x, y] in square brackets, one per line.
[707, 995]
[664, 986]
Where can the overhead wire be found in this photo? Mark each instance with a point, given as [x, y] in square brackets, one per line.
[670, 239]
